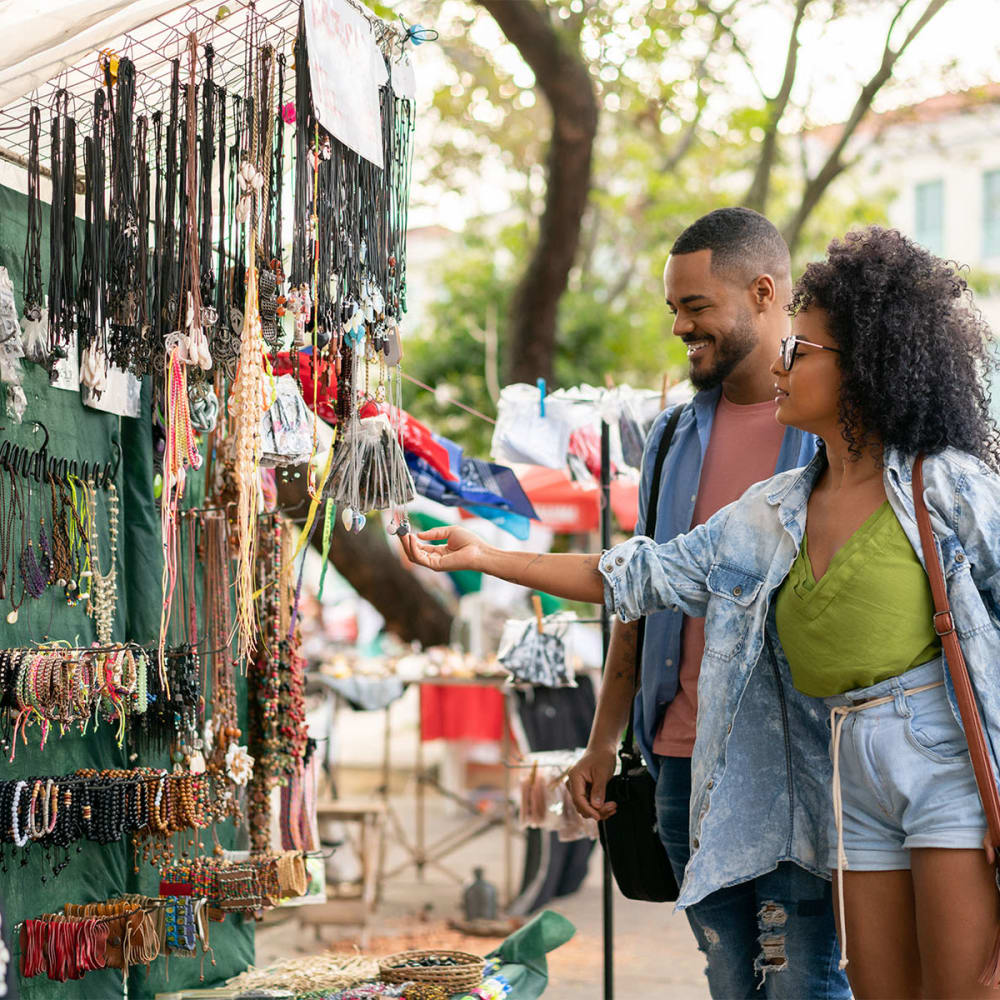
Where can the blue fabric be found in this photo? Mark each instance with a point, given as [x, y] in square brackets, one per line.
[679, 487]
[481, 483]
[761, 760]
[514, 524]
[729, 923]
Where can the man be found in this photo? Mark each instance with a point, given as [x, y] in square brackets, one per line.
[764, 921]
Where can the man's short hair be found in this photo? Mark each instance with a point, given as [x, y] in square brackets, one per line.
[743, 243]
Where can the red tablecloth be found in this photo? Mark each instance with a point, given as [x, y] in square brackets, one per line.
[461, 713]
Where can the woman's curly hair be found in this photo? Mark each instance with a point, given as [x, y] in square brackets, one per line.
[916, 353]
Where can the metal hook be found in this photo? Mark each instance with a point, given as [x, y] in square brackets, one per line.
[45, 443]
[109, 472]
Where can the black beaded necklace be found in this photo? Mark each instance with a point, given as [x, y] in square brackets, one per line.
[158, 245]
[168, 258]
[141, 363]
[124, 281]
[300, 272]
[34, 294]
[58, 333]
[207, 152]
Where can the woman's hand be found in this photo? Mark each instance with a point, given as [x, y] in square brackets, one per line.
[463, 549]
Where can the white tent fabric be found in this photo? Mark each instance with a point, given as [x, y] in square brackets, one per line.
[53, 35]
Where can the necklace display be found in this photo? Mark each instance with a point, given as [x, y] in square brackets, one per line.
[181, 274]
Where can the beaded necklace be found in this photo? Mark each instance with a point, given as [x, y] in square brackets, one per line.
[103, 584]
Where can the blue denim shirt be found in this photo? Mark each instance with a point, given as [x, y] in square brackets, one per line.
[760, 782]
[681, 475]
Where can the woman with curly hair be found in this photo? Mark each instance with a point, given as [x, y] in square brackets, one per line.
[815, 596]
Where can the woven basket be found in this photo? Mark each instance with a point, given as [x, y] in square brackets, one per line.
[466, 975]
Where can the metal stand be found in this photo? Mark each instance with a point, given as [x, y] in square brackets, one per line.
[607, 893]
[419, 853]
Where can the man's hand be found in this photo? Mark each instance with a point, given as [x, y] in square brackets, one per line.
[587, 782]
[461, 551]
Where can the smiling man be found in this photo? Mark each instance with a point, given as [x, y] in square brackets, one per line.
[763, 921]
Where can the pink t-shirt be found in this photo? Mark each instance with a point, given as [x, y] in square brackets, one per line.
[742, 450]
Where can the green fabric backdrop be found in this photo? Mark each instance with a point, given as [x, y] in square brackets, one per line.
[95, 872]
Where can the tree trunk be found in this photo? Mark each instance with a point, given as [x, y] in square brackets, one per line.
[563, 78]
[376, 573]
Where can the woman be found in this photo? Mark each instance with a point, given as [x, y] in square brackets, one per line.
[820, 569]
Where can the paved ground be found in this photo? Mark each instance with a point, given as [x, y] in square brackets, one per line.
[654, 952]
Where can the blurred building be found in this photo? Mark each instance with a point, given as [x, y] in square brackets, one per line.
[939, 164]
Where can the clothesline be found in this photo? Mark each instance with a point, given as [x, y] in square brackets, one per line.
[453, 402]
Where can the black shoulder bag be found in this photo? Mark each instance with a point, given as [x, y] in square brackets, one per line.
[638, 860]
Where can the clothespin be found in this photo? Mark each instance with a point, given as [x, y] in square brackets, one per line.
[541, 392]
[536, 603]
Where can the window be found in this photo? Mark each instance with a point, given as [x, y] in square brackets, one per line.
[930, 215]
[991, 213]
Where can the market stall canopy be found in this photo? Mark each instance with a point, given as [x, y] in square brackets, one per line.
[62, 42]
[567, 506]
[54, 35]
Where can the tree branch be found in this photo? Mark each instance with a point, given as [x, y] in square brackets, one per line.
[833, 166]
[563, 78]
[756, 196]
[727, 29]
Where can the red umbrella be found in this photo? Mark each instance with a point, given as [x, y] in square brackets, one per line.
[567, 506]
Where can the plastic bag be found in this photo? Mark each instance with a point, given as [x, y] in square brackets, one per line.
[545, 802]
[10, 326]
[35, 337]
[537, 658]
[286, 427]
[522, 434]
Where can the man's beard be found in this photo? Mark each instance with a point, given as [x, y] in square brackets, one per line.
[729, 352]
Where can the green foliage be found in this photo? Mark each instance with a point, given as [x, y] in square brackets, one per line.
[674, 141]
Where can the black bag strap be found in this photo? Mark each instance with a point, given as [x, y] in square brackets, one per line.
[628, 740]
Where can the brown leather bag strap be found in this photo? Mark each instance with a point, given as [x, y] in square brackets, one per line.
[944, 625]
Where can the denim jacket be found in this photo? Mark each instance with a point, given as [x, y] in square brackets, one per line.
[760, 782]
[661, 650]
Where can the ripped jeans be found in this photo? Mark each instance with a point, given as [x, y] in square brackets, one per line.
[773, 936]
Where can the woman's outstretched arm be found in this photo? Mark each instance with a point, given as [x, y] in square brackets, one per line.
[572, 576]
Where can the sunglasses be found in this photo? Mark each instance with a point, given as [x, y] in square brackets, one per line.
[790, 348]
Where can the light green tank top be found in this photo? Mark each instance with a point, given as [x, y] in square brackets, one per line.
[869, 618]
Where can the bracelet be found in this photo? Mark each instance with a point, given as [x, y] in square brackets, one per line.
[19, 840]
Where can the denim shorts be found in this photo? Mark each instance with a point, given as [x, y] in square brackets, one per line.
[906, 777]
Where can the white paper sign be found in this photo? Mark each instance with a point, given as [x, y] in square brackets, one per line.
[120, 395]
[404, 80]
[346, 70]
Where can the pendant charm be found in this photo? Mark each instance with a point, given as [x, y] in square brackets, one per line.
[12, 617]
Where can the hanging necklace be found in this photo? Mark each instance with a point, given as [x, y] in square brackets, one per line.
[35, 568]
[158, 250]
[57, 333]
[169, 301]
[34, 294]
[124, 282]
[103, 584]
[143, 341]
[207, 276]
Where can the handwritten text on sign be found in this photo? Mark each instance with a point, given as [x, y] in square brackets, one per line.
[346, 69]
